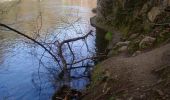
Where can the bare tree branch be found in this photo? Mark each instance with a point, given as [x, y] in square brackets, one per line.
[28, 37]
[60, 52]
[71, 53]
[79, 67]
[77, 38]
[88, 58]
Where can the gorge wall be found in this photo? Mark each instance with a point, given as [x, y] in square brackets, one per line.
[134, 20]
[122, 14]
[138, 64]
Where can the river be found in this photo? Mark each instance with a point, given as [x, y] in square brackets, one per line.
[26, 70]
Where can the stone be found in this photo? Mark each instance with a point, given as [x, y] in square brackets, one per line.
[147, 40]
[123, 49]
[112, 53]
[136, 53]
[144, 8]
[133, 36]
[153, 13]
[122, 43]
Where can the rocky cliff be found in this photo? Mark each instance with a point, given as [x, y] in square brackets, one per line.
[142, 72]
[124, 11]
[141, 23]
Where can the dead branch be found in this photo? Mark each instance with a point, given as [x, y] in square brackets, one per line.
[71, 53]
[60, 52]
[77, 38]
[78, 67]
[95, 57]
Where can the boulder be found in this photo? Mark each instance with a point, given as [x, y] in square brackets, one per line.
[146, 41]
[136, 53]
[133, 36]
[155, 11]
[123, 49]
[122, 43]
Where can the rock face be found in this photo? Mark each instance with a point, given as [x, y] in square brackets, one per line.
[108, 9]
[155, 11]
[130, 18]
[104, 8]
[135, 20]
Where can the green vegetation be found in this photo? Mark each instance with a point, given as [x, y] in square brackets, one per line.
[109, 36]
[162, 37]
[133, 46]
[97, 75]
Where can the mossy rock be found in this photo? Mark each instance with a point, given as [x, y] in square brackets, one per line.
[97, 75]
[162, 37]
[133, 46]
[109, 36]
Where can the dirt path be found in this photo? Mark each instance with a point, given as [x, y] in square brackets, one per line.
[132, 74]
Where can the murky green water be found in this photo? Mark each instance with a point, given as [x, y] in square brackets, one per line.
[22, 75]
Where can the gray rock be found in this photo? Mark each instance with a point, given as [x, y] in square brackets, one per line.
[136, 53]
[146, 40]
[155, 11]
[112, 53]
[122, 43]
[133, 36]
[123, 49]
[144, 8]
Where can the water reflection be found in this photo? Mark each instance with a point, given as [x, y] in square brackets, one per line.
[23, 75]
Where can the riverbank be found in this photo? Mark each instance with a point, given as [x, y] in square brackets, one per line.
[137, 67]
[144, 77]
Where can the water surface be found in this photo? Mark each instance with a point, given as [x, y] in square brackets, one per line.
[22, 75]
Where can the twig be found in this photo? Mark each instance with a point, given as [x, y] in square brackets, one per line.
[28, 37]
[78, 67]
[88, 58]
[71, 53]
[77, 38]
[60, 52]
